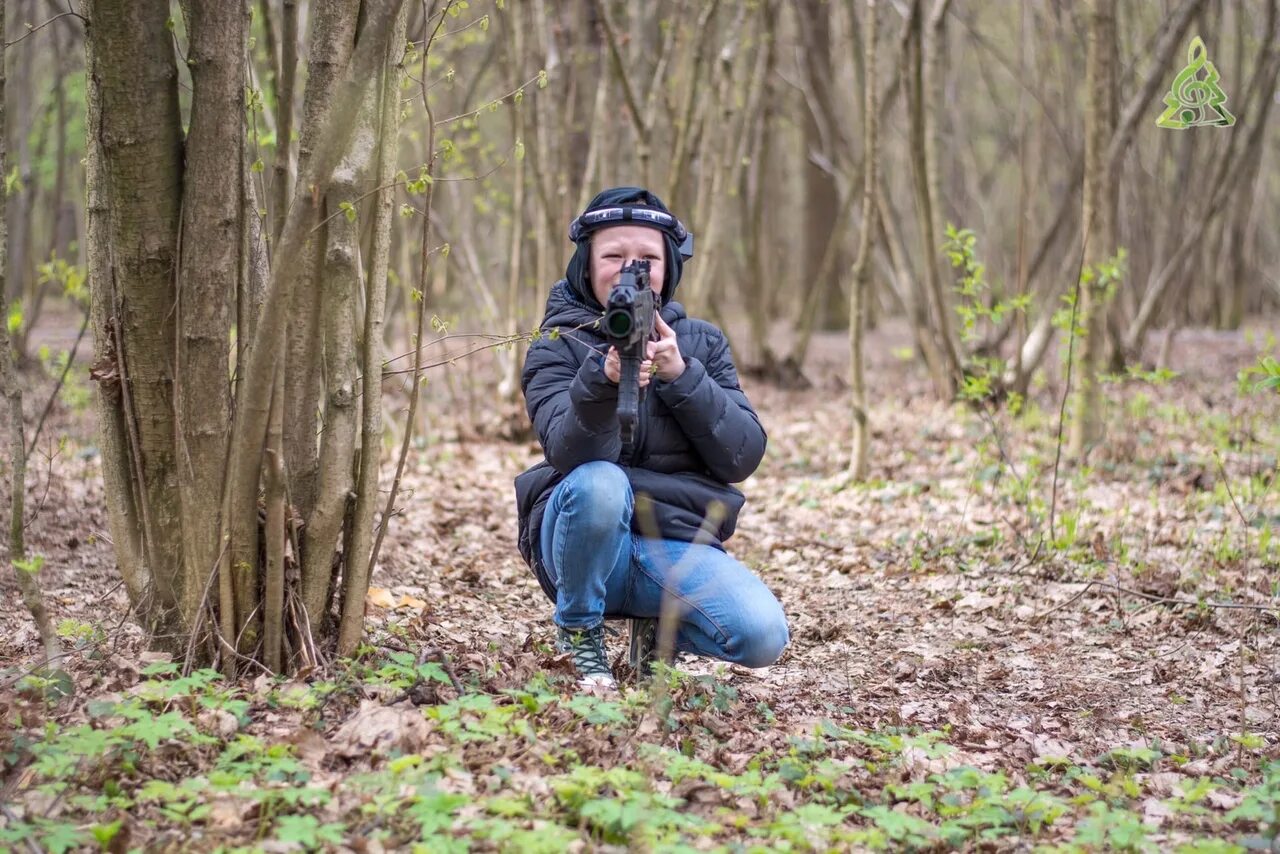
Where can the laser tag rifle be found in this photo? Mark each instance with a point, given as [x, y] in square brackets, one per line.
[629, 320]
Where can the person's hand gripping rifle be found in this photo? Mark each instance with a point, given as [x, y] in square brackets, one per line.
[629, 319]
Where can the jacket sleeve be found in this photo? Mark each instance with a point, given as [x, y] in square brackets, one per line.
[714, 413]
[573, 407]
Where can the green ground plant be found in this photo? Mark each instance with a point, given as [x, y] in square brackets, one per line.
[148, 755]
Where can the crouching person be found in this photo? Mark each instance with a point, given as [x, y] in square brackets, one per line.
[617, 529]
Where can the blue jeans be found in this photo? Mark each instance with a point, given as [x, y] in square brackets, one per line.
[600, 568]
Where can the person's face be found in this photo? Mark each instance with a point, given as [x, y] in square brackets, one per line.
[617, 246]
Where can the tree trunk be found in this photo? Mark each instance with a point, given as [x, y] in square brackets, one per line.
[822, 198]
[358, 559]
[333, 37]
[1098, 213]
[282, 188]
[164, 271]
[12, 392]
[1256, 108]
[862, 266]
[135, 162]
[207, 280]
[920, 119]
[340, 287]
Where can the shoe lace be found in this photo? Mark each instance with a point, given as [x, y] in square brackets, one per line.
[587, 649]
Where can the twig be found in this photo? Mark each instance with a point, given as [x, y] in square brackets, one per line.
[44, 496]
[499, 100]
[1163, 600]
[200, 611]
[71, 357]
[1066, 390]
[1244, 631]
[38, 27]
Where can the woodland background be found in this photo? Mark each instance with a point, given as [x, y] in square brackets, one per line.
[1014, 345]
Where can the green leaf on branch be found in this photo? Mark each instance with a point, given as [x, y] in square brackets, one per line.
[14, 321]
[348, 210]
[29, 565]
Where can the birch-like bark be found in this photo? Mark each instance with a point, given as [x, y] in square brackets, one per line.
[207, 279]
[935, 49]
[357, 560]
[546, 178]
[862, 266]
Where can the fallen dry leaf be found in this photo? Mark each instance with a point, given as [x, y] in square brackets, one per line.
[376, 728]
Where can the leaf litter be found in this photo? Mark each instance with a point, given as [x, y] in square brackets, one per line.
[961, 673]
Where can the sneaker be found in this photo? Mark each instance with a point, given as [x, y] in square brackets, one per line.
[644, 646]
[586, 647]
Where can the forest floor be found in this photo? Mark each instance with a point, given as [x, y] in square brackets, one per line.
[979, 659]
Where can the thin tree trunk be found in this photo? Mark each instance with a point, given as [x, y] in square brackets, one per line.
[207, 277]
[638, 121]
[685, 121]
[20, 107]
[340, 288]
[919, 120]
[333, 37]
[822, 194]
[1098, 213]
[281, 188]
[358, 567]
[274, 536]
[12, 391]
[935, 47]
[1257, 106]
[862, 267]
[509, 386]
[254, 392]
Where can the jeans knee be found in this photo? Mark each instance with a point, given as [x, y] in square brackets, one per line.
[601, 495]
[762, 640]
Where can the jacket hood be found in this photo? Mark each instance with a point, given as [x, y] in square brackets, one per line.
[578, 272]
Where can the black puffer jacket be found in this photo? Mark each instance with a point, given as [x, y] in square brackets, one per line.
[694, 436]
